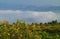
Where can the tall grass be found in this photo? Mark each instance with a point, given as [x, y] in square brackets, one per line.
[20, 30]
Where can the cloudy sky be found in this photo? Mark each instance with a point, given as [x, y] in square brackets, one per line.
[27, 16]
[31, 2]
[6, 11]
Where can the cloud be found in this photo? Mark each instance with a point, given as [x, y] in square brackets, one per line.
[27, 16]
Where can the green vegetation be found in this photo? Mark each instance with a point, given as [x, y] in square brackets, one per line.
[20, 30]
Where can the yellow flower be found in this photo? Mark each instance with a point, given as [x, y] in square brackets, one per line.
[57, 35]
[33, 26]
[20, 35]
[37, 37]
[0, 35]
[8, 33]
[18, 28]
[13, 35]
[4, 25]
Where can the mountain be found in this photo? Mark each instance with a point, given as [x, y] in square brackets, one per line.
[42, 8]
[30, 7]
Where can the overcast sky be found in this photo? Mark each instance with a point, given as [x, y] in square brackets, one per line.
[5, 4]
[27, 16]
[31, 2]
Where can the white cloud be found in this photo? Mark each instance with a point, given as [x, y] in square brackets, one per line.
[28, 16]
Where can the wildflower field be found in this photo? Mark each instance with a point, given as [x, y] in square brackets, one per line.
[20, 30]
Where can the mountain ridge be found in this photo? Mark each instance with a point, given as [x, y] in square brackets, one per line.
[30, 7]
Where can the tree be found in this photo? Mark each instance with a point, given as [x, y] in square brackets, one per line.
[40, 23]
[54, 22]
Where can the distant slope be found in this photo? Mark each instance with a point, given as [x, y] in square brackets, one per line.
[30, 7]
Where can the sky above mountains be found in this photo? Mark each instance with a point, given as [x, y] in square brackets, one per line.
[31, 2]
[35, 7]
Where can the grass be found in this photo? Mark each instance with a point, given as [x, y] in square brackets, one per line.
[20, 30]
